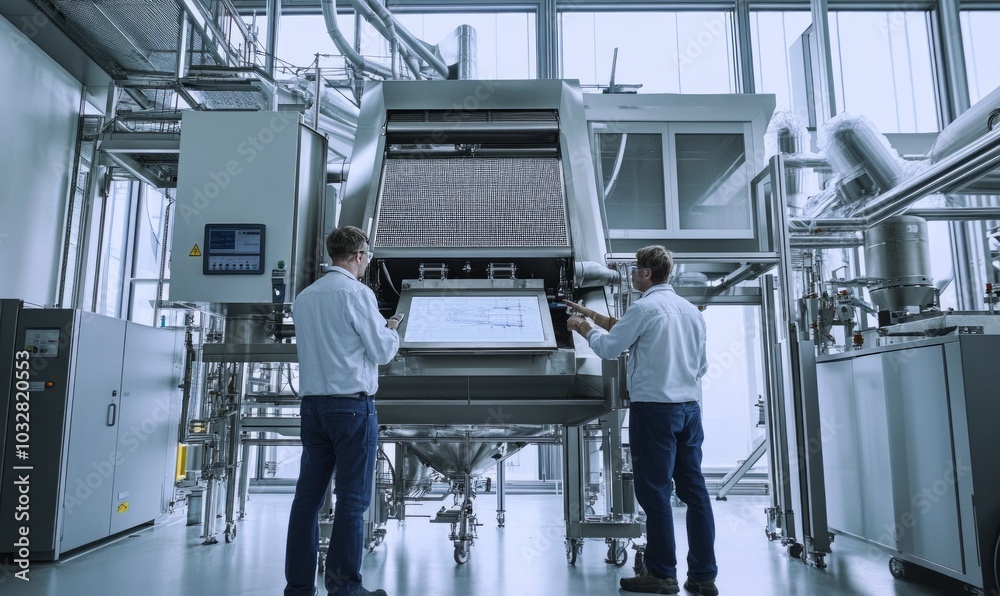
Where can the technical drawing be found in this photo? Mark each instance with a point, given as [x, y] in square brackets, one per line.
[434, 319]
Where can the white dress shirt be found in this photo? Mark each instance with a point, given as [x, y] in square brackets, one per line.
[341, 337]
[665, 336]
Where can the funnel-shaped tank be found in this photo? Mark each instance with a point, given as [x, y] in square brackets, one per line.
[459, 450]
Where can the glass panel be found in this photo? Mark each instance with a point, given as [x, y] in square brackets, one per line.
[732, 384]
[116, 224]
[301, 36]
[882, 69]
[712, 191]
[505, 41]
[665, 52]
[773, 34]
[633, 180]
[982, 46]
[148, 248]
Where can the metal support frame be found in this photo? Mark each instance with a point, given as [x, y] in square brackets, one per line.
[736, 474]
[744, 45]
[579, 525]
[501, 492]
[273, 21]
[780, 516]
[798, 406]
[826, 91]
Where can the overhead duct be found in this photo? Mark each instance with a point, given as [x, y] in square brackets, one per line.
[460, 50]
[345, 47]
[972, 124]
[967, 128]
[863, 158]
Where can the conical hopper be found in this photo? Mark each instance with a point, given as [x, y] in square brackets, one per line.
[454, 451]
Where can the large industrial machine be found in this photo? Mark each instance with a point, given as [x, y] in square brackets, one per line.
[480, 202]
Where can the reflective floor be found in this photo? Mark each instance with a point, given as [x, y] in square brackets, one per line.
[527, 557]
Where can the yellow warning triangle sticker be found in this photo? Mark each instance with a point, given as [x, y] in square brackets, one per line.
[195, 252]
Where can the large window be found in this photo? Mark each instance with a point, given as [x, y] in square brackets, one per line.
[114, 247]
[665, 52]
[776, 68]
[703, 165]
[982, 51]
[882, 69]
[505, 41]
[149, 239]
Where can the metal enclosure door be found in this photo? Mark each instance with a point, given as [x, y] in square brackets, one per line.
[873, 447]
[923, 456]
[93, 431]
[144, 437]
[841, 456]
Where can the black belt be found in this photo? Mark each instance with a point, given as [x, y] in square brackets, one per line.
[359, 395]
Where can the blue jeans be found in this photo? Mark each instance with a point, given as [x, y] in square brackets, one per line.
[666, 443]
[337, 433]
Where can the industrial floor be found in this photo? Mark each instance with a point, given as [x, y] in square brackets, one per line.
[527, 557]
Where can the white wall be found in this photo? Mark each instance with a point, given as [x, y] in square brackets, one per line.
[39, 111]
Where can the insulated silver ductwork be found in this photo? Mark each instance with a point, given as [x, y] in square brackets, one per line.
[971, 125]
[345, 47]
[402, 41]
[861, 156]
[898, 254]
[460, 50]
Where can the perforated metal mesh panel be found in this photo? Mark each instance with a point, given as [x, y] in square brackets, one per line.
[490, 202]
[150, 41]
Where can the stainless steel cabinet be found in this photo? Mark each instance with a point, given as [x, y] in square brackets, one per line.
[909, 444]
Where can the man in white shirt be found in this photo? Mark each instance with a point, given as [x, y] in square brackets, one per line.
[341, 340]
[665, 336]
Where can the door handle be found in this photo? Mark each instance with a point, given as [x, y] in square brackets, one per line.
[112, 414]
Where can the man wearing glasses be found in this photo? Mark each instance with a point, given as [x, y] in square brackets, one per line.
[341, 339]
[665, 336]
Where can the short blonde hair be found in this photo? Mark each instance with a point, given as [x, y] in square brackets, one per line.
[345, 241]
[658, 260]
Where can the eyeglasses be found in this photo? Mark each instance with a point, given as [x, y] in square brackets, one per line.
[635, 266]
[367, 252]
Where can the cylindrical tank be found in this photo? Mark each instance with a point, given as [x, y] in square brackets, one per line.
[898, 254]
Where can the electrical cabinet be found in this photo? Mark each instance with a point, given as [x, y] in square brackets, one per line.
[909, 451]
[100, 443]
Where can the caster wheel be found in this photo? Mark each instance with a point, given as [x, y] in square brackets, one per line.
[898, 568]
[640, 564]
[461, 554]
[501, 520]
[795, 550]
[617, 555]
[573, 548]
